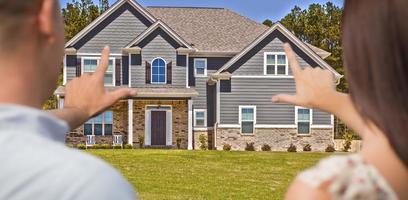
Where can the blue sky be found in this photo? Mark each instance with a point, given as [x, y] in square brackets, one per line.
[258, 10]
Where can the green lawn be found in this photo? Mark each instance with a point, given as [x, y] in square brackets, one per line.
[174, 174]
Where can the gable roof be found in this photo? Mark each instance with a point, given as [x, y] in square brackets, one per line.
[106, 14]
[167, 29]
[277, 26]
[210, 29]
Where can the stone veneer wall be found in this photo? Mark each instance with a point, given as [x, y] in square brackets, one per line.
[196, 139]
[179, 115]
[278, 139]
[120, 124]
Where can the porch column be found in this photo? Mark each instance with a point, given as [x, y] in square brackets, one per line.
[190, 124]
[130, 121]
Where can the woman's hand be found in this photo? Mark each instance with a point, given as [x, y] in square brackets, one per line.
[313, 85]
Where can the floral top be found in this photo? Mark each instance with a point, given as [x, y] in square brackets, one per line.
[348, 177]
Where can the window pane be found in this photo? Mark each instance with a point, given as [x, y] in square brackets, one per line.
[88, 129]
[108, 117]
[158, 71]
[162, 78]
[108, 80]
[98, 129]
[303, 127]
[155, 78]
[200, 115]
[247, 114]
[199, 64]
[270, 69]
[155, 70]
[270, 59]
[162, 70]
[90, 65]
[108, 129]
[304, 114]
[200, 71]
[281, 69]
[247, 127]
[281, 60]
[110, 66]
[200, 122]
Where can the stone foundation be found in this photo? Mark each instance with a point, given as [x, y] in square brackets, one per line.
[179, 118]
[278, 139]
[120, 124]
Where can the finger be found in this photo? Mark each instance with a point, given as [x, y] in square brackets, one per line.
[285, 98]
[120, 94]
[104, 62]
[293, 63]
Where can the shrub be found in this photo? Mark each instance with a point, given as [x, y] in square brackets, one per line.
[348, 138]
[128, 146]
[178, 142]
[70, 145]
[330, 148]
[96, 146]
[250, 146]
[307, 147]
[292, 148]
[203, 142]
[105, 146]
[226, 147]
[266, 147]
[117, 147]
[141, 141]
[81, 146]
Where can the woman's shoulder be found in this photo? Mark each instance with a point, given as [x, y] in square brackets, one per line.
[345, 177]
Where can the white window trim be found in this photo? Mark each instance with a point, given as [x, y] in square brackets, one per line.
[205, 67]
[310, 120]
[276, 64]
[240, 119]
[103, 125]
[165, 72]
[98, 59]
[195, 117]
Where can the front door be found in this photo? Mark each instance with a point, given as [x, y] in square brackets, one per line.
[158, 128]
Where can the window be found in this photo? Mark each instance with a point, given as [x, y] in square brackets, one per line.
[100, 125]
[200, 67]
[89, 65]
[303, 119]
[158, 71]
[275, 64]
[247, 119]
[200, 118]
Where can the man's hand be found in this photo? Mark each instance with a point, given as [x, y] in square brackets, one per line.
[313, 85]
[86, 96]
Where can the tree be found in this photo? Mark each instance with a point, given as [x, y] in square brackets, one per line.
[267, 22]
[77, 14]
[320, 25]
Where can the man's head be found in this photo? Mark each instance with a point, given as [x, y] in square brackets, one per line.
[31, 31]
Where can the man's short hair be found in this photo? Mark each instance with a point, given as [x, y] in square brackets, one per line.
[14, 15]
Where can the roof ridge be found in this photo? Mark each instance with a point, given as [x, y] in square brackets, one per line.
[187, 7]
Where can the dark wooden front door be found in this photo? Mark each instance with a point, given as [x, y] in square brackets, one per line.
[158, 128]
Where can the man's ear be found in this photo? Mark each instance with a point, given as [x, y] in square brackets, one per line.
[46, 16]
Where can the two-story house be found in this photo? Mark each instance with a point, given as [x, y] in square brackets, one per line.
[197, 71]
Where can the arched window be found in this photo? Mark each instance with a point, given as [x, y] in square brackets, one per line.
[159, 71]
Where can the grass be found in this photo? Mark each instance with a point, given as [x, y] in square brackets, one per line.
[178, 174]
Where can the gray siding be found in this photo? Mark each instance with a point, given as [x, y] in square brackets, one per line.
[71, 73]
[117, 31]
[259, 91]
[159, 46]
[321, 118]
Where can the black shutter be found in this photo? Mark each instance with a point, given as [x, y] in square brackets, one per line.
[169, 73]
[78, 67]
[148, 72]
[117, 71]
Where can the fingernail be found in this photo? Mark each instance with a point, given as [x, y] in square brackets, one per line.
[275, 99]
[106, 47]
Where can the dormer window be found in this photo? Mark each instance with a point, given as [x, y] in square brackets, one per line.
[275, 63]
[159, 71]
